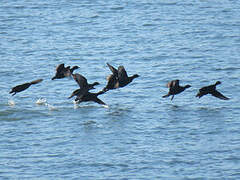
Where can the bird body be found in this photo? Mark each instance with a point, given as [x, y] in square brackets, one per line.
[119, 78]
[83, 84]
[113, 83]
[62, 71]
[24, 86]
[175, 88]
[90, 97]
[211, 89]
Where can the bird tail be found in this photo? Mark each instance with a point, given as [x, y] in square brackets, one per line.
[36, 81]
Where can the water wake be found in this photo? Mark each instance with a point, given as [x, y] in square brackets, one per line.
[11, 102]
[51, 107]
[43, 101]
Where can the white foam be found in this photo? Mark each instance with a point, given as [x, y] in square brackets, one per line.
[75, 102]
[11, 102]
[51, 107]
[105, 106]
[76, 106]
[41, 101]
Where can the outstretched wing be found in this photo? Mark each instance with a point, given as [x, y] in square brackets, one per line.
[114, 70]
[99, 101]
[219, 95]
[81, 80]
[60, 68]
[122, 74]
[173, 83]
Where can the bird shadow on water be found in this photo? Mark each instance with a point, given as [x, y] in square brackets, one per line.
[205, 112]
[176, 107]
[178, 112]
[118, 110]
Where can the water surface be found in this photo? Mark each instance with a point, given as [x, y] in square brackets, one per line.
[141, 135]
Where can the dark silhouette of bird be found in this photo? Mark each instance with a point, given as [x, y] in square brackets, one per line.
[118, 78]
[90, 97]
[62, 71]
[112, 83]
[24, 86]
[211, 90]
[175, 88]
[83, 84]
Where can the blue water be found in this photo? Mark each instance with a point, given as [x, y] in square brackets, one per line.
[140, 135]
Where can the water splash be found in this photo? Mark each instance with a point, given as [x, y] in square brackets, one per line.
[41, 101]
[11, 102]
[106, 106]
[51, 107]
[76, 106]
[75, 102]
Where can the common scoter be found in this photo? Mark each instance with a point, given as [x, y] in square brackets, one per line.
[24, 86]
[211, 90]
[62, 71]
[83, 84]
[119, 78]
[175, 88]
[88, 96]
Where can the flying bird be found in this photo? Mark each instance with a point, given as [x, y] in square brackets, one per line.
[119, 78]
[83, 84]
[90, 97]
[175, 88]
[211, 90]
[62, 71]
[24, 86]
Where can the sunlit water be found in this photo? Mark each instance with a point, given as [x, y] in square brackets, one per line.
[140, 135]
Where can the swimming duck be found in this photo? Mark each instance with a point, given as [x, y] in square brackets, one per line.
[211, 90]
[90, 97]
[83, 84]
[24, 86]
[119, 78]
[175, 88]
[62, 72]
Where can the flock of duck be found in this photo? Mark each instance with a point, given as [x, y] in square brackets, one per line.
[118, 79]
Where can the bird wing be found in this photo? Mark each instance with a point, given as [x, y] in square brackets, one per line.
[75, 93]
[110, 77]
[79, 93]
[169, 84]
[99, 101]
[122, 74]
[173, 83]
[114, 70]
[112, 82]
[60, 68]
[81, 80]
[219, 95]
